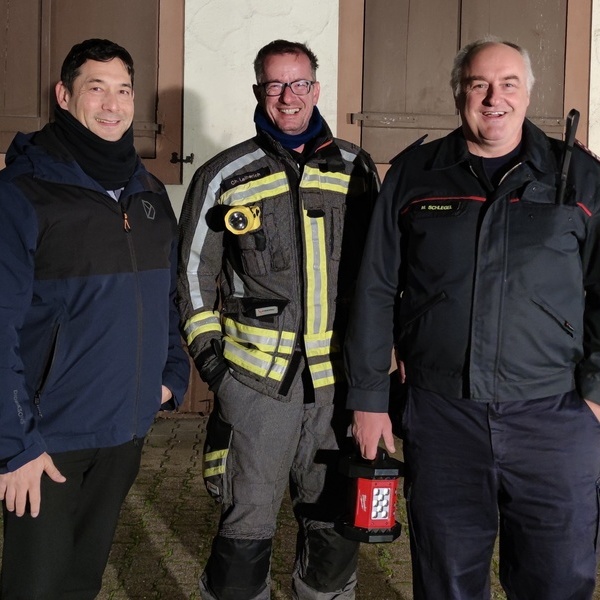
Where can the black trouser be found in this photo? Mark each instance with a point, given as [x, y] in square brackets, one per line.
[527, 470]
[62, 553]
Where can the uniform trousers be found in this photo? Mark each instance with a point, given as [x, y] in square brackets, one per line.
[274, 444]
[62, 553]
[526, 471]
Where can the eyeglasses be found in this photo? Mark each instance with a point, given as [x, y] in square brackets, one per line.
[276, 88]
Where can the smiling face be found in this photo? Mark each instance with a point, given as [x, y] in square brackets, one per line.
[289, 112]
[101, 99]
[493, 100]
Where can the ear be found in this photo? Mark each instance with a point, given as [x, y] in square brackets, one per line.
[62, 95]
[257, 93]
[459, 101]
[316, 91]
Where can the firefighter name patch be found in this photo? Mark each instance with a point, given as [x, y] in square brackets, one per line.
[436, 207]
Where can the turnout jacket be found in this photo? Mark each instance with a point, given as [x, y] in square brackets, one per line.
[88, 322]
[264, 298]
[488, 294]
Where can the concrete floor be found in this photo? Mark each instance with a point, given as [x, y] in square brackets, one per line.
[168, 521]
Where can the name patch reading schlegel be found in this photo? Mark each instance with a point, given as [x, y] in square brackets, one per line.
[436, 207]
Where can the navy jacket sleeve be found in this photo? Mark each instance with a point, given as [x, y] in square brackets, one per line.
[20, 442]
[177, 370]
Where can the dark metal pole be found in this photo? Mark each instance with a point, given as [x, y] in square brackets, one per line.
[570, 131]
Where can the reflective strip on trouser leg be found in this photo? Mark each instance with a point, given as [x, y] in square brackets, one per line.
[263, 443]
[236, 569]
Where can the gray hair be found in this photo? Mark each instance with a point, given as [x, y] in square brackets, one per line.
[465, 55]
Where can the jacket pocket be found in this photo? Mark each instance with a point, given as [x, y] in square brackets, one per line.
[279, 251]
[563, 323]
[214, 460]
[46, 369]
[423, 308]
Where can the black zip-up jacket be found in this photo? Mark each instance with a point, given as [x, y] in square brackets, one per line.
[488, 294]
[88, 324]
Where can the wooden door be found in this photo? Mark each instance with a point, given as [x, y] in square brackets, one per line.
[36, 35]
[407, 58]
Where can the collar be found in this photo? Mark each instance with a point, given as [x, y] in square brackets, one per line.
[315, 125]
[536, 150]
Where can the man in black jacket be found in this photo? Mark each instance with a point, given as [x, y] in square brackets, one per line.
[90, 347]
[488, 285]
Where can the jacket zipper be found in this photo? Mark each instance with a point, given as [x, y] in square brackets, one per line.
[138, 299]
[298, 228]
[48, 366]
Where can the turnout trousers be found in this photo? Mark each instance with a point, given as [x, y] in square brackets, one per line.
[266, 445]
[62, 553]
[524, 470]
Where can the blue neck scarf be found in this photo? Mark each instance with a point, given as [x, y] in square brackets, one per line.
[315, 125]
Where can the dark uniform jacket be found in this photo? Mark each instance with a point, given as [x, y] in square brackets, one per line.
[488, 294]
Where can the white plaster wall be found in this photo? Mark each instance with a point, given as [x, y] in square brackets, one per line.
[594, 126]
[222, 38]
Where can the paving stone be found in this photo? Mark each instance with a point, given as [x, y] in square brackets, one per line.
[168, 520]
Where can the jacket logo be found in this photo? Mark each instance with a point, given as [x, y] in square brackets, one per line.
[149, 210]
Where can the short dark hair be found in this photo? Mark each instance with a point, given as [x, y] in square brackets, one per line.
[283, 47]
[92, 49]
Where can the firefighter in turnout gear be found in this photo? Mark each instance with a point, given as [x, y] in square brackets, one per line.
[272, 232]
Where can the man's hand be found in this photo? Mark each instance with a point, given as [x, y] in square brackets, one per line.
[166, 394]
[17, 486]
[368, 428]
[595, 408]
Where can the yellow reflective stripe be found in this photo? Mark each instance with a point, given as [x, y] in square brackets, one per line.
[321, 344]
[254, 360]
[322, 374]
[330, 181]
[253, 191]
[316, 274]
[278, 369]
[213, 471]
[319, 383]
[216, 455]
[265, 340]
[202, 322]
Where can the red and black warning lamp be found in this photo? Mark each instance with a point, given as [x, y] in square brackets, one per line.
[373, 486]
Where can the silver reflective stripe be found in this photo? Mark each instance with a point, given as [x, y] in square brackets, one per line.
[253, 191]
[330, 181]
[193, 265]
[316, 275]
[201, 323]
[265, 340]
[321, 345]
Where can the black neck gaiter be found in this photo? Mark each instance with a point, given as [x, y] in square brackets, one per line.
[111, 164]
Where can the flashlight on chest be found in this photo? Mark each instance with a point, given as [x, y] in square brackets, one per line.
[373, 485]
[242, 219]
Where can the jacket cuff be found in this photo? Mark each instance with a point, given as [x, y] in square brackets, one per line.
[368, 400]
[16, 462]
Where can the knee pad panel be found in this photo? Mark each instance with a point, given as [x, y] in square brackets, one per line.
[238, 569]
[332, 559]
